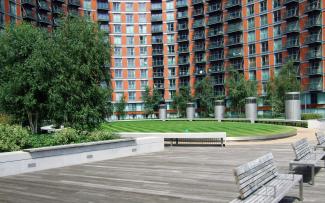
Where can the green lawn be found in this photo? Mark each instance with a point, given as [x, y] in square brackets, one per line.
[233, 129]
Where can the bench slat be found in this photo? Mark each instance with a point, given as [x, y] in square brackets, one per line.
[320, 137]
[301, 148]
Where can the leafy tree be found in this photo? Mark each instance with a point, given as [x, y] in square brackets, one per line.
[285, 81]
[204, 93]
[180, 99]
[151, 101]
[56, 75]
[238, 89]
[120, 108]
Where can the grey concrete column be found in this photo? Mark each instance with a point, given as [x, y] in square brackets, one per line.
[162, 112]
[190, 111]
[219, 110]
[292, 106]
[251, 109]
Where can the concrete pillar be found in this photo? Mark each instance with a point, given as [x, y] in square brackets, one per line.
[190, 111]
[292, 106]
[219, 110]
[163, 112]
[251, 109]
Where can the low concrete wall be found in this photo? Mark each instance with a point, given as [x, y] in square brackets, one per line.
[13, 163]
[317, 124]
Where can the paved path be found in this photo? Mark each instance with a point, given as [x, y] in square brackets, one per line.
[179, 174]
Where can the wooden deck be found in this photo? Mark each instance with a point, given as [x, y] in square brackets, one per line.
[179, 174]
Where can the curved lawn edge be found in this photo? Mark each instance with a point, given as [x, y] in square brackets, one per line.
[263, 137]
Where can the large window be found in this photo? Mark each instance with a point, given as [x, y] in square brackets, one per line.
[251, 36]
[264, 20]
[277, 31]
[263, 34]
[265, 47]
[263, 6]
[116, 18]
[116, 6]
[251, 49]
[129, 18]
[117, 40]
[130, 29]
[278, 45]
[276, 16]
[129, 7]
[117, 28]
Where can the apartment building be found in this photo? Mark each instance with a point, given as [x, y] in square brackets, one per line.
[166, 44]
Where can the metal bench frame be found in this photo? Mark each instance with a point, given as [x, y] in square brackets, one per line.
[321, 140]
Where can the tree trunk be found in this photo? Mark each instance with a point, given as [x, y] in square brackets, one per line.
[33, 121]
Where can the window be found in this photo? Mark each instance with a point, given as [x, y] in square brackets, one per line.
[118, 84]
[117, 51]
[265, 47]
[170, 16]
[131, 63]
[129, 18]
[265, 61]
[276, 16]
[277, 31]
[265, 74]
[252, 62]
[143, 40]
[142, 7]
[169, 5]
[251, 36]
[263, 20]
[251, 23]
[117, 40]
[263, 6]
[130, 40]
[171, 72]
[144, 84]
[131, 84]
[143, 51]
[143, 62]
[130, 51]
[142, 29]
[118, 62]
[170, 38]
[142, 18]
[129, 29]
[131, 96]
[251, 49]
[263, 34]
[116, 6]
[278, 45]
[170, 27]
[116, 18]
[276, 3]
[129, 7]
[250, 10]
[118, 73]
[171, 60]
[278, 58]
[144, 73]
[117, 28]
[171, 49]
[12, 8]
[131, 74]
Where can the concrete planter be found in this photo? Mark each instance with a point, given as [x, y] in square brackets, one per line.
[29, 160]
[251, 109]
[292, 106]
[163, 112]
[219, 110]
[190, 111]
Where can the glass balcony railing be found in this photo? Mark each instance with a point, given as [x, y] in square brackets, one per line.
[314, 38]
[181, 3]
[58, 10]
[290, 1]
[217, 69]
[315, 86]
[215, 45]
[234, 41]
[215, 32]
[198, 12]
[292, 43]
[181, 15]
[315, 71]
[184, 73]
[214, 7]
[43, 19]
[156, 6]
[312, 55]
[74, 2]
[235, 28]
[313, 6]
[28, 14]
[232, 3]
[235, 53]
[194, 2]
[182, 26]
[233, 16]
[292, 27]
[42, 5]
[102, 6]
[199, 35]
[183, 50]
[182, 38]
[28, 2]
[158, 74]
[215, 20]
[198, 23]
[292, 13]
[216, 56]
[313, 22]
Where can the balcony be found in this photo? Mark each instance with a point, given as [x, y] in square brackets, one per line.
[313, 6]
[43, 19]
[214, 8]
[290, 1]
[182, 15]
[198, 48]
[219, 81]
[157, 41]
[215, 32]
[198, 23]
[234, 28]
[314, 55]
[198, 12]
[233, 16]
[56, 22]
[292, 28]
[199, 60]
[215, 20]
[157, 52]
[28, 14]
[235, 53]
[61, 1]
[182, 27]
[200, 72]
[42, 5]
[292, 44]
[156, 18]
[157, 63]
[314, 39]
[195, 2]
[183, 73]
[156, 29]
[292, 13]
[198, 36]
[317, 71]
[183, 50]
[217, 69]
[313, 23]
[181, 3]
[293, 58]
[156, 6]
[315, 86]
[74, 3]
[28, 2]
[218, 56]
[102, 6]
[103, 18]
[182, 38]
[233, 3]
[159, 85]
[158, 75]
[216, 45]
[57, 10]
[182, 62]
[235, 41]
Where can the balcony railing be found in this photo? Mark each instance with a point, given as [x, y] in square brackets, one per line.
[157, 40]
[215, 20]
[216, 56]
[155, 18]
[199, 72]
[182, 26]
[315, 86]
[291, 1]
[182, 38]
[28, 14]
[312, 22]
[217, 69]
[215, 45]
[156, 29]
[233, 3]
[218, 81]
[292, 13]
[181, 3]
[198, 23]
[28, 2]
[198, 12]
[215, 32]
[42, 5]
[313, 6]
[233, 16]
[199, 48]
[292, 28]
[214, 7]
[293, 58]
[235, 53]
[58, 10]
[102, 6]
[156, 6]
[194, 2]
[314, 38]
[234, 28]
[159, 85]
[181, 15]
[158, 74]
[183, 50]
[157, 52]
[183, 62]
[292, 43]
[312, 55]
[199, 35]
[234, 41]
[43, 19]
[315, 71]
[157, 63]
[74, 2]
[184, 73]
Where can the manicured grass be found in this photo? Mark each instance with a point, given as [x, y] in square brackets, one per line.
[233, 129]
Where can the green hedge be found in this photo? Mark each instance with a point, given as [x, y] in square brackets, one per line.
[14, 138]
[308, 116]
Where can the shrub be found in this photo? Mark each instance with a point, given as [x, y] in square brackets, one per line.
[101, 135]
[308, 116]
[5, 119]
[13, 138]
[66, 136]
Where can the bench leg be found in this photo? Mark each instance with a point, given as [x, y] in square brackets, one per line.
[290, 167]
[301, 190]
[221, 142]
[312, 175]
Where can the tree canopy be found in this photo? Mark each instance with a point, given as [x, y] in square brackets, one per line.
[60, 76]
[151, 100]
[204, 93]
[180, 99]
[120, 108]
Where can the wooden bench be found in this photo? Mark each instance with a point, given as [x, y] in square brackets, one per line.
[259, 181]
[321, 140]
[306, 157]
